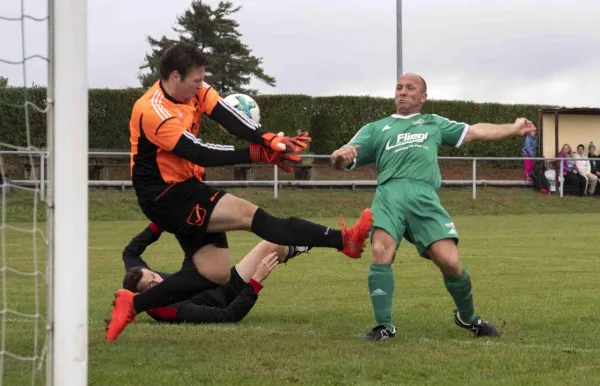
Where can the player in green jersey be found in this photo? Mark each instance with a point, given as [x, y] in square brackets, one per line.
[404, 148]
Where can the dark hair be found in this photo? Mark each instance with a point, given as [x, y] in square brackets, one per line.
[182, 57]
[581, 146]
[132, 279]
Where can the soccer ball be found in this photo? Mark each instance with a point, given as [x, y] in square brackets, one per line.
[245, 104]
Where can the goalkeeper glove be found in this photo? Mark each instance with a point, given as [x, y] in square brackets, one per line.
[262, 154]
[282, 143]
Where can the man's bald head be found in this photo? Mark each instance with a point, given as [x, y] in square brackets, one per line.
[415, 77]
[411, 94]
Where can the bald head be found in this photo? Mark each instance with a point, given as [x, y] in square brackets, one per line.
[411, 94]
[415, 78]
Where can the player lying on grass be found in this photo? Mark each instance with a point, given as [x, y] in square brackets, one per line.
[167, 161]
[228, 303]
[404, 147]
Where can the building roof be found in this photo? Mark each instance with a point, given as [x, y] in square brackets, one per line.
[572, 110]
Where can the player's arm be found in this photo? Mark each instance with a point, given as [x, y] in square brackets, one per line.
[132, 254]
[238, 124]
[358, 152]
[170, 135]
[493, 132]
[237, 310]
[230, 118]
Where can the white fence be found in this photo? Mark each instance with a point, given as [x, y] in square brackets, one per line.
[276, 183]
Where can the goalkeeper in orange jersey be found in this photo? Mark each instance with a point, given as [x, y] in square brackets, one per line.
[166, 168]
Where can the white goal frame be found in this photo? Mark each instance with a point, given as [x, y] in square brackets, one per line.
[67, 199]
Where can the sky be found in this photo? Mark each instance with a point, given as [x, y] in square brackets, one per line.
[506, 51]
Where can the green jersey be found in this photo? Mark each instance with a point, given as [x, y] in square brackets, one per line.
[406, 147]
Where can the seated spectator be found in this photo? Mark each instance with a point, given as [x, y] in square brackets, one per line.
[550, 174]
[584, 169]
[570, 175]
[594, 164]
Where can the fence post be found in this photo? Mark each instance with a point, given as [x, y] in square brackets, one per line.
[474, 178]
[42, 179]
[275, 181]
[561, 177]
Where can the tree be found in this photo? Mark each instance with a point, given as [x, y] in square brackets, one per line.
[3, 82]
[214, 32]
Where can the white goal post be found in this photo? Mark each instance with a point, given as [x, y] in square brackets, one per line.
[67, 199]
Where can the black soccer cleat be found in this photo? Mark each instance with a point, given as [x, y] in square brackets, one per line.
[380, 333]
[294, 251]
[479, 327]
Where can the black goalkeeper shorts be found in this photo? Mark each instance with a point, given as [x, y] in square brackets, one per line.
[184, 209]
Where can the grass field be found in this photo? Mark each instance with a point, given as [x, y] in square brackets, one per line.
[535, 276]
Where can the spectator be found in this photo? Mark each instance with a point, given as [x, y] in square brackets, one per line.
[570, 175]
[528, 151]
[550, 174]
[584, 169]
[594, 165]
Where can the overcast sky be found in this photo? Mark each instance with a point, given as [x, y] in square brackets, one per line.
[510, 51]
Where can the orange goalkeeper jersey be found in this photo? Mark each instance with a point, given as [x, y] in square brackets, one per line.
[165, 148]
[157, 123]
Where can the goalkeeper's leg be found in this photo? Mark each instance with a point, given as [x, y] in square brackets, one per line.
[233, 213]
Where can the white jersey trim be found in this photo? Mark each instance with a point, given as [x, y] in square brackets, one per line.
[462, 136]
[398, 116]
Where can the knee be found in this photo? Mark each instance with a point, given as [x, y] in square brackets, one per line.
[449, 265]
[221, 278]
[451, 268]
[383, 253]
[248, 211]
[445, 255]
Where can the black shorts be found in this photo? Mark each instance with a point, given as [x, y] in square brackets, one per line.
[184, 209]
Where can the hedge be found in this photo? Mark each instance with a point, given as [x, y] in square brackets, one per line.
[331, 121]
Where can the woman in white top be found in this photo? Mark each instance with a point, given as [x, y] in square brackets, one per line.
[585, 169]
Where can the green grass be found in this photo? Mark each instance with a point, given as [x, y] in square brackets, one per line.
[534, 276]
[110, 205]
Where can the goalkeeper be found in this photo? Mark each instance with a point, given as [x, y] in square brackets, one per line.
[228, 303]
[167, 161]
[406, 205]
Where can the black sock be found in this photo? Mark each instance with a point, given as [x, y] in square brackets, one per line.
[294, 231]
[178, 287]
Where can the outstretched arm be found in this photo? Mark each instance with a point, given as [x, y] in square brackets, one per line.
[238, 124]
[492, 132]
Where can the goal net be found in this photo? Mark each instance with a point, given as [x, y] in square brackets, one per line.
[43, 195]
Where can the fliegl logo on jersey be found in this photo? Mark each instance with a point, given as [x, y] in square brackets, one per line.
[407, 140]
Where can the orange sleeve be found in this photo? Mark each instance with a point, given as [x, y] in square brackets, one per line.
[208, 98]
[162, 130]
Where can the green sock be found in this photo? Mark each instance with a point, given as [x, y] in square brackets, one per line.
[381, 288]
[460, 289]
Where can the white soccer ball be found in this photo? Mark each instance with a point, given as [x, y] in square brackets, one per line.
[245, 104]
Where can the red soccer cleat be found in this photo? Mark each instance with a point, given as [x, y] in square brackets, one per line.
[122, 314]
[355, 237]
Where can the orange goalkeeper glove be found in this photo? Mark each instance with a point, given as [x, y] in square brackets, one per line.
[282, 143]
[262, 154]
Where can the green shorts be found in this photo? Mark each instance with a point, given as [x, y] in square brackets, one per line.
[412, 210]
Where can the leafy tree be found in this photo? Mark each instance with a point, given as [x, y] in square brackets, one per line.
[213, 30]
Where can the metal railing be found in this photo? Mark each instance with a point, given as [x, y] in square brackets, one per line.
[276, 183]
